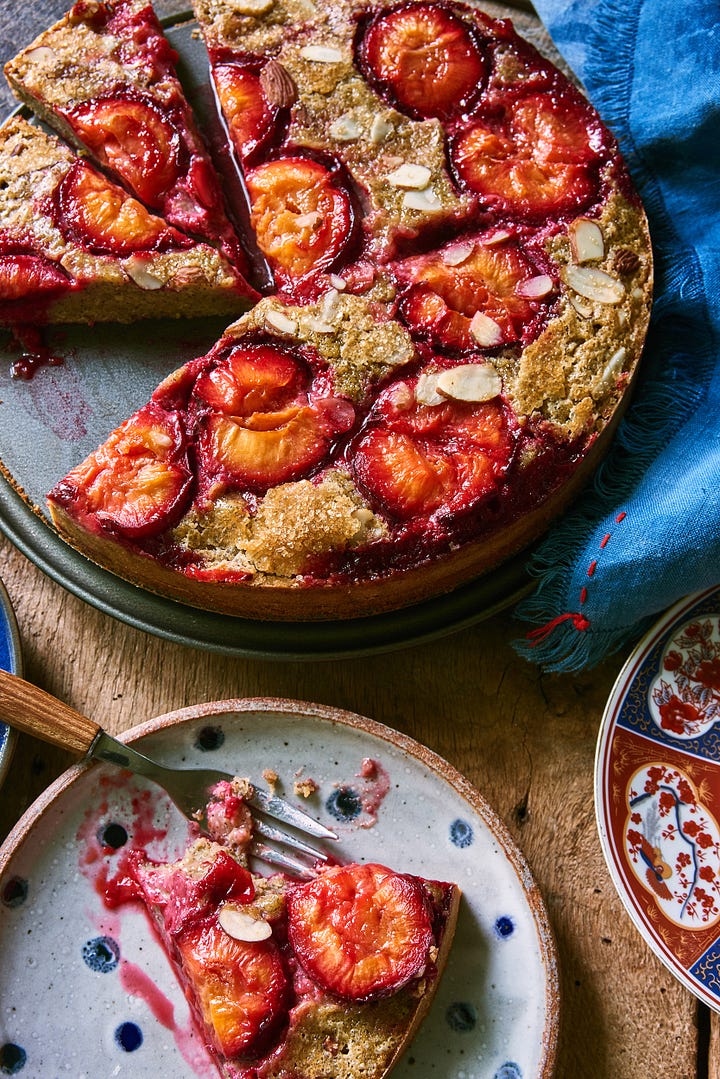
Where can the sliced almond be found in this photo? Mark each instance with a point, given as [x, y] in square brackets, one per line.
[426, 201]
[485, 330]
[470, 382]
[251, 7]
[41, 54]
[614, 366]
[278, 85]
[583, 307]
[321, 54]
[586, 240]
[345, 128]
[329, 304]
[240, 925]
[594, 284]
[426, 392]
[497, 236]
[308, 220]
[534, 288]
[380, 129]
[316, 325]
[282, 323]
[410, 177]
[457, 254]
[136, 269]
[363, 515]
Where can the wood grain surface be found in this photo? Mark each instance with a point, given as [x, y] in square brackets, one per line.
[525, 739]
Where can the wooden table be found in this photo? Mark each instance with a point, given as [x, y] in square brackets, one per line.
[525, 739]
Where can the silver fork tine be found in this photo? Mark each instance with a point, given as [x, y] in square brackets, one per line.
[288, 814]
[268, 831]
[190, 790]
[279, 858]
[36, 712]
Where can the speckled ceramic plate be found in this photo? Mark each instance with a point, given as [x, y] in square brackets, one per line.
[657, 791]
[10, 660]
[91, 992]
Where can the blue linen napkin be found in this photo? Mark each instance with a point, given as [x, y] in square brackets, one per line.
[648, 532]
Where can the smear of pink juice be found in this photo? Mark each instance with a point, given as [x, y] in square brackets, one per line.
[377, 785]
[104, 868]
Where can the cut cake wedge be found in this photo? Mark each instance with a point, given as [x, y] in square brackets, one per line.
[76, 247]
[104, 78]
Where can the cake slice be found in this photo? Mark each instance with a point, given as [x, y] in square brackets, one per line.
[104, 77]
[76, 247]
[327, 979]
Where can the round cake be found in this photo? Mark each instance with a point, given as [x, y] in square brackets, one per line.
[460, 284]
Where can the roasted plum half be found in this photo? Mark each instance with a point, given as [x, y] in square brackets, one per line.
[360, 931]
[264, 418]
[131, 136]
[138, 483]
[423, 59]
[303, 215]
[539, 156]
[479, 292]
[422, 454]
[253, 120]
[101, 217]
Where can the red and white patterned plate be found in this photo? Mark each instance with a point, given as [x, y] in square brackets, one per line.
[657, 791]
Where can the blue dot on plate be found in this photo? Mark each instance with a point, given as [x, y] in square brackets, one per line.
[101, 954]
[129, 1037]
[210, 738]
[112, 835]
[12, 1059]
[461, 833]
[508, 1070]
[15, 892]
[461, 1016]
[344, 804]
[504, 926]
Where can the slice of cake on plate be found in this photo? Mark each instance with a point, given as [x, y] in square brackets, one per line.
[76, 247]
[327, 979]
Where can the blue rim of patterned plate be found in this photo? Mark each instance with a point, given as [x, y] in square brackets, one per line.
[10, 660]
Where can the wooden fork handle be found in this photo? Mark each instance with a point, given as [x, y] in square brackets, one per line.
[33, 711]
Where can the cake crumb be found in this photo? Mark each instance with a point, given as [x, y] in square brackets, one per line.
[306, 787]
[271, 778]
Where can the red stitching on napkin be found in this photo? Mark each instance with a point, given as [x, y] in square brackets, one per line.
[578, 619]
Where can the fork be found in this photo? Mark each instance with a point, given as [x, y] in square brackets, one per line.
[33, 711]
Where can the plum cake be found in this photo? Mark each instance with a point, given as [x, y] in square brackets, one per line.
[461, 280]
[76, 247]
[324, 979]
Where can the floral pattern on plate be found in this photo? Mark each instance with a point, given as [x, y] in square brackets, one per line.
[657, 790]
[672, 843]
[685, 697]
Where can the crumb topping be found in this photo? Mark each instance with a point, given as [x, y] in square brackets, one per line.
[570, 375]
[294, 522]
